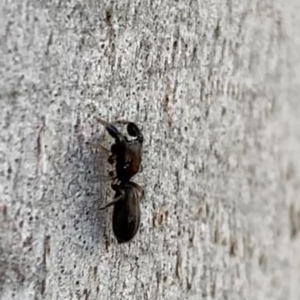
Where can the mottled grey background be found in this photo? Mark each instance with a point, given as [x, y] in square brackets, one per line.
[215, 86]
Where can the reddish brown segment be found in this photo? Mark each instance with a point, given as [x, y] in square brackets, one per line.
[129, 163]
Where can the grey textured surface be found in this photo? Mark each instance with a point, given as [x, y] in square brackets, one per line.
[215, 86]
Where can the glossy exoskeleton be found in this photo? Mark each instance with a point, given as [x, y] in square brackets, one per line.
[126, 213]
[126, 154]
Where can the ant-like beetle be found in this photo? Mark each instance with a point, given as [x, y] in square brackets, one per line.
[126, 154]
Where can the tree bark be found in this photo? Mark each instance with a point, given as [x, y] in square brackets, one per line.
[215, 87]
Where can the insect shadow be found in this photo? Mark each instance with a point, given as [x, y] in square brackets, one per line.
[88, 192]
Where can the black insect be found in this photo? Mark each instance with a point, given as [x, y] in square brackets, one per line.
[126, 155]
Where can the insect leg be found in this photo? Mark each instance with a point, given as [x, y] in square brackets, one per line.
[112, 202]
[105, 177]
[103, 148]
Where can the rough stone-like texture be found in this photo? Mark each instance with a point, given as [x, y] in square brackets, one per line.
[215, 86]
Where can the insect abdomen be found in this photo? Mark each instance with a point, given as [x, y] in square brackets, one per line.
[126, 220]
